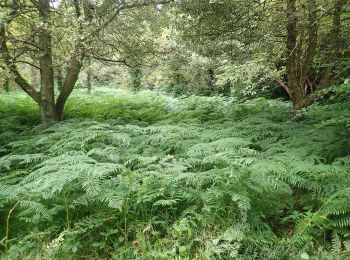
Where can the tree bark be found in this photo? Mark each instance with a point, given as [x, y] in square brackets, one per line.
[283, 85]
[76, 62]
[34, 77]
[298, 66]
[311, 44]
[333, 45]
[88, 76]
[73, 70]
[88, 83]
[59, 78]
[6, 85]
[47, 105]
[296, 91]
[20, 81]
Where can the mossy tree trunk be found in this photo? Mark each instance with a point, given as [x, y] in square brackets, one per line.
[47, 103]
[7, 85]
[298, 66]
[332, 45]
[88, 75]
[301, 52]
[59, 78]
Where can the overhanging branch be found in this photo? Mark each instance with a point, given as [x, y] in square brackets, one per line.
[21, 82]
[123, 61]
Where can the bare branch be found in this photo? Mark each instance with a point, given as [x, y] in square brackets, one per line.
[123, 61]
[27, 62]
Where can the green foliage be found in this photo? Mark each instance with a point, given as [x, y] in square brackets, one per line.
[249, 80]
[17, 112]
[146, 176]
[136, 78]
[139, 108]
[185, 72]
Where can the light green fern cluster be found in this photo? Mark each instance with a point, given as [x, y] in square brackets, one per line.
[214, 179]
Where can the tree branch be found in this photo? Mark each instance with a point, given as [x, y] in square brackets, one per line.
[27, 62]
[21, 82]
[284, 86]
[122, 6]
[75, 64]
[123, 61]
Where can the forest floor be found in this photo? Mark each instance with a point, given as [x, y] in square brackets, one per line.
[147, 176]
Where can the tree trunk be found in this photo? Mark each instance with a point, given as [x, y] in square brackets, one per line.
[59, 79]
[136, 78]
[88, 83]
[296, 91]
[47, 105]
[311, 44]
[6, 85]
[34, 77]
[333, 45]
[46, 97]
[211, 78]
[298, 66]
[71, 78]
[88, 76]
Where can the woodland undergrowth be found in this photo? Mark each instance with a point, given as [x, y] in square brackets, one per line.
[145, 176]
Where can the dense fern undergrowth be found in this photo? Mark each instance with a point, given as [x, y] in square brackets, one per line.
[145, 176]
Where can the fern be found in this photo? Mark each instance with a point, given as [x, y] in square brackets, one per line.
[205, 176]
